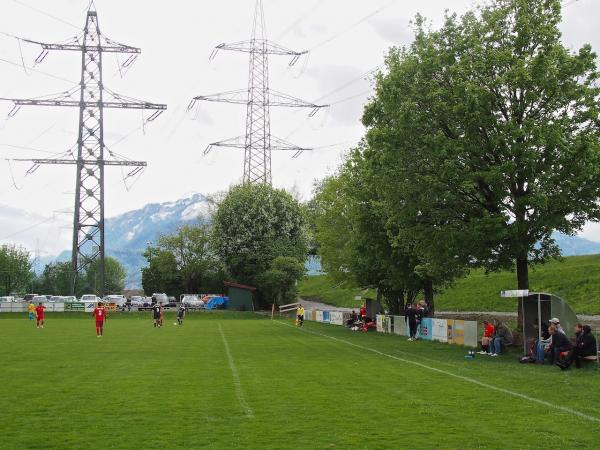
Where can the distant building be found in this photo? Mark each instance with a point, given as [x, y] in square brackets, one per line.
[241, 296]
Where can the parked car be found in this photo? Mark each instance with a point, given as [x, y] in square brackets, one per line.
[57, 298]
[137, 300]
[90, 298]
[69, 299]
[191, 300]
[39, 299]
[7, 299]
[119, 300]
[29, 297]
[159, 298]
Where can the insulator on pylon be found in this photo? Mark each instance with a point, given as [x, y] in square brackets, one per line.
[154, 115]
[41, 57]
[294, 60]
[15, 109]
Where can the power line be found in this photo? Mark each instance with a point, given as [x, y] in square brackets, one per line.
[47, 14]
[295, 23]
[33, 69]
[354, 25]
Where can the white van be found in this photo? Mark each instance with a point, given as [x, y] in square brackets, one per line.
[191, 300]
[119, 300]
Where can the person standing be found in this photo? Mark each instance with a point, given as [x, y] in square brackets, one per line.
[39, 313]
[300, 315]
[180, 314]
[31, 309]
[411, 320]
[156, 315]
[363, 313]
[99, 314]
[162, 313]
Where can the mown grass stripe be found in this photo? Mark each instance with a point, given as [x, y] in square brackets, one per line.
[236, 379]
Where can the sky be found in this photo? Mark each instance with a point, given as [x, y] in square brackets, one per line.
[346, 39]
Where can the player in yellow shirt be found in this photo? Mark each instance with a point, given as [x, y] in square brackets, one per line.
[300, 315]
[31, 310]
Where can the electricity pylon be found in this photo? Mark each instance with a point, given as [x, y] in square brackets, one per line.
[93, 97]
[258, 98]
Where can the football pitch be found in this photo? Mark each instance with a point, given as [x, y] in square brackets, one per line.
[240, 380]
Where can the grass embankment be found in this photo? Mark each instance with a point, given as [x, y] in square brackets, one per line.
[242, 381]
[576, 279]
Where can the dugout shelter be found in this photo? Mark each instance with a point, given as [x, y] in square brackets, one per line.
[539, 308]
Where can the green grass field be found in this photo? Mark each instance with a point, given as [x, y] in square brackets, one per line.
[227, 380]
[576, 279]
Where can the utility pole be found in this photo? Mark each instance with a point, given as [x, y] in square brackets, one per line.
[258, 98]
[93, 97]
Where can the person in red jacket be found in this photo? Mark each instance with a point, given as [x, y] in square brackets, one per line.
[100, 316]
[39, 314]
[363, 313]
[488, 332]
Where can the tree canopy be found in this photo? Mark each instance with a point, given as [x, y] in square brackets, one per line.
[486, 133]
[253, 226]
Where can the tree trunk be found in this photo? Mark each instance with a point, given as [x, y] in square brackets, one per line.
[522, 273]
[428, 292]
[522, 283]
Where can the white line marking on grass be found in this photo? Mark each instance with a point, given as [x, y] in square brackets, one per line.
[454, 375]
[236, 379]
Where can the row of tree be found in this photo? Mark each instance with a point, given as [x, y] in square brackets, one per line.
[482, 140]
[257, 236]
[18, 277]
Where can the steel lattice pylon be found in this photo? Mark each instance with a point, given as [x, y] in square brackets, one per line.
[258, 98]
[88, 218]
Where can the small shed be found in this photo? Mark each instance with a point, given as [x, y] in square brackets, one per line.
[241, 296]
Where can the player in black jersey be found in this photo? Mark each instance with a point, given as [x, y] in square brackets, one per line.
[180, 314]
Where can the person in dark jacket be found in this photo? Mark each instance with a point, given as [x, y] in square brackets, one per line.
[585, 345]
[502, 338]
[411, 320]
[560, 343]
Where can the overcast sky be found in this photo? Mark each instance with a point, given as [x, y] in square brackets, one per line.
[347, 38]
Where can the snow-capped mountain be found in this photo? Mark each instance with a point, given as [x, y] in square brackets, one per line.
[127, 235]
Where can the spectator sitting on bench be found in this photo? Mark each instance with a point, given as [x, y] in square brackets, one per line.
[542, 345]
[554, 321]
[502, 338]
[488, 333]
[560, 343]
[585, 346]
[353, 318]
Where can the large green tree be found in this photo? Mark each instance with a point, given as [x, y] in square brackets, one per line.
[183, 262]
[255, 224]
[114, 278]
[16, 275]
[352, 232]
[56, 279]
[489, 132]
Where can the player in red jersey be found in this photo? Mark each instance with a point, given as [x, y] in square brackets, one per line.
[39, 314]
[100, 315]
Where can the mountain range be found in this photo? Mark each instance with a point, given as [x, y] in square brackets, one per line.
[128, 234]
